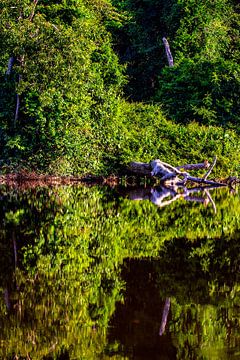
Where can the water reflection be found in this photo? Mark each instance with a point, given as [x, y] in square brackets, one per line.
[87, 273]
[163, 195]
[202, 323]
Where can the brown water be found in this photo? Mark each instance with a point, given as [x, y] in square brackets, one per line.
[93, 273]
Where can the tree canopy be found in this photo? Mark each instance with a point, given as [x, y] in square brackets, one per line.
[76, 76]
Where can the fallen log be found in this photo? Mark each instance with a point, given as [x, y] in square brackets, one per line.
[174, 176]
[145, 169]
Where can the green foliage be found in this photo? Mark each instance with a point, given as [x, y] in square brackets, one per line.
[206, 79]
[67, 75]
[139, 42]
[69, 83]
[149, 135]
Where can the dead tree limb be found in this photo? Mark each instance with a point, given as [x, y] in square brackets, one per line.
[17, 105]
[172, 176]
[159, 167]
[145, 169]
[140, 168]
[33, 11]
[204, 165]
[211, 167]
[202, 181]
[10, 65]
[168, 52]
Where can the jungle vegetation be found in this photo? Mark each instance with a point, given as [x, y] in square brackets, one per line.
[85, 86]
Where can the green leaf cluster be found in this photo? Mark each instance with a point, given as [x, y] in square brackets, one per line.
[205, 81]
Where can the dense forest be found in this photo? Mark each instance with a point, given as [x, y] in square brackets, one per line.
[85, 85]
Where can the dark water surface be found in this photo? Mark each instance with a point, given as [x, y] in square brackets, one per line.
[89, 273]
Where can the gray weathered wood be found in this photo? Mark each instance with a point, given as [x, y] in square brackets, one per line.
[145, 169]
[211, 167]
[204, 165]
[140, 168]
[172, 176]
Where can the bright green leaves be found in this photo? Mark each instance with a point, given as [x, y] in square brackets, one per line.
[69, 78]
[205, 81]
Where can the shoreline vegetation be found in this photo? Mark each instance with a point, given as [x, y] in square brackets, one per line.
[86, 87]
[24, 180]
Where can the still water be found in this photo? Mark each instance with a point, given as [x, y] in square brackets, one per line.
[119, 273]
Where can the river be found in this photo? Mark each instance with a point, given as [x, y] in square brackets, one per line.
[119, 273]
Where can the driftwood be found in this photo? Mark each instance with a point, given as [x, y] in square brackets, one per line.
[173, 183]
[144, 169]
[171, 176]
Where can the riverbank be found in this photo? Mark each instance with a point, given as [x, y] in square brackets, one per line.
[26, 180]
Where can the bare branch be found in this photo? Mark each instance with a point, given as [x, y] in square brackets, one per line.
[207, 182]
[210, 170]
[204, 165]
[33, 12]
[17, 106]
[16, 111]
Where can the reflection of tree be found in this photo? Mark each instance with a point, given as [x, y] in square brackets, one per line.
[136, 322]
[203, 321]
[203, 286]
[67, 287]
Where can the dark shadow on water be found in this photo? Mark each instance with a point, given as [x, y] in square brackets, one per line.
[135, 324]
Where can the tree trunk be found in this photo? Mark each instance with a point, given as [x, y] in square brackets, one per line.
[168, 52]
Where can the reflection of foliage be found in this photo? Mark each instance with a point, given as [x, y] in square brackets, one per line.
[204, 316]
[51, 312]
[71, 243]
[203, 282]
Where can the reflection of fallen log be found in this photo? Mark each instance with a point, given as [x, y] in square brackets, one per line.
[164, 195]
[170, 175]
